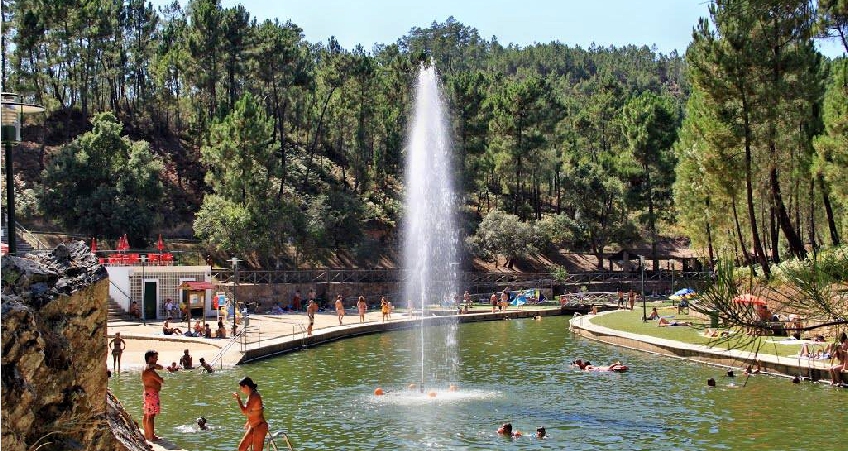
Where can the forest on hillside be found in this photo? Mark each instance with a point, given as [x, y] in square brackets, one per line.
[204, 122]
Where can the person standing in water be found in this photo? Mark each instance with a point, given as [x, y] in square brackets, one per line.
[118, 345]
[362, 306]
[256, 427]
[152, 383]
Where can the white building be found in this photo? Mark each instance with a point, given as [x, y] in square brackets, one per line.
[160, 283]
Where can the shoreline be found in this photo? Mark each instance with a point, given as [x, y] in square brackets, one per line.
[774, 365]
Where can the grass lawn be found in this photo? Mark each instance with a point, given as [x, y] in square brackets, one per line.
[631, 321]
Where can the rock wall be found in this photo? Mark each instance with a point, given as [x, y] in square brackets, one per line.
[54, 381]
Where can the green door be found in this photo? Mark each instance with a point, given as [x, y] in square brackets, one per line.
[150, 289]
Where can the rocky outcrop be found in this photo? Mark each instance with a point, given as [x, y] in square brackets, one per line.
[54, 355]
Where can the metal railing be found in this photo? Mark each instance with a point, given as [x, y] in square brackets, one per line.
[218, 358]
[225, 275]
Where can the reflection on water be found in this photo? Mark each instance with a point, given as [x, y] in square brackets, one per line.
[516, 371]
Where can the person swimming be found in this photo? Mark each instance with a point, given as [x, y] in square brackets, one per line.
[617, 367]
[506, 431]
[201, 423]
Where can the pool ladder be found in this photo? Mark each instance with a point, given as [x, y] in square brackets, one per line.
[220, 355]
[302, 333]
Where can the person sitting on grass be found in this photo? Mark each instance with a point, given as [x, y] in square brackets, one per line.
[664, 322]
[222, 331]
[654, 315]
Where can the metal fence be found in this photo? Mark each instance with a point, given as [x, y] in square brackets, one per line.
[226, 275]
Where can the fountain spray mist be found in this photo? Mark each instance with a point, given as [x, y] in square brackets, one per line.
[431, 241]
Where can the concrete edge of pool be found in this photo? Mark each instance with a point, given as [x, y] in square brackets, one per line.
[580, 325]
[733, 358]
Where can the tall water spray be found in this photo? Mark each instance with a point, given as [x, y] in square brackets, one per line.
[430, 236]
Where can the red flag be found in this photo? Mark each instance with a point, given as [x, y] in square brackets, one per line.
[94, 245]
[160, 244]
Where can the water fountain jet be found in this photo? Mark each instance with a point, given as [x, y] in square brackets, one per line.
[430, 237]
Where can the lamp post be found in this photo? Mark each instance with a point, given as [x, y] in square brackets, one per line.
[143, 298]
[644, 307]
[11, 130]
[234, 262]
[671, 267]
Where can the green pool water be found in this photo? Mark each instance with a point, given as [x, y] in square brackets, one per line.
[517, 371]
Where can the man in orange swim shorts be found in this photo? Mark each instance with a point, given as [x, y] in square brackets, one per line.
[152, 382]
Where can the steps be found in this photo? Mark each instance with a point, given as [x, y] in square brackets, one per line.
[22, 246]
[117, 313]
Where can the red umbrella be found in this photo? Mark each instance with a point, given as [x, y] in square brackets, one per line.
[94, 245]
[160, 244]
[749, 298]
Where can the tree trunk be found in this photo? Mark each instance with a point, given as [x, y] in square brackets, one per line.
[739, 236]
[831, 223]
[749, 192]
[812, 226]
[774, 235]
[796, 246]
[655, 262]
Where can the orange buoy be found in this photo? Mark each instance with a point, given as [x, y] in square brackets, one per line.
[378, 391]
[432, 394]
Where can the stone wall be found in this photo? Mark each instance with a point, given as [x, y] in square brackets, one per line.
[54, 381]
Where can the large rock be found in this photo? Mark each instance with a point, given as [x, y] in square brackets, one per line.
[54, 358]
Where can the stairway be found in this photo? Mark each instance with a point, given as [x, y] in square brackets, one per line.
[116, 312]
[23, 247]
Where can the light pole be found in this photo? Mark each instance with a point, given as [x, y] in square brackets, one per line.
[234, 261]
[11, 131]
[644, 307]
[143, 298]
[671, 267]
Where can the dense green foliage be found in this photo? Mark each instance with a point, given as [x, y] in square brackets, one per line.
[115, 187]
[283, 151]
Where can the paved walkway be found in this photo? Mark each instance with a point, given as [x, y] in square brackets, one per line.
[270, 334]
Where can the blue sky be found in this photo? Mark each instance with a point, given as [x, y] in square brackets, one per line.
[665, 23]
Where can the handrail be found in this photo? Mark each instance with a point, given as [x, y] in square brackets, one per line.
[220, 355]
[325, 275]
[120, 290]
[30, 236]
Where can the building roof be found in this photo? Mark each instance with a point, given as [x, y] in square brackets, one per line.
[197, 286]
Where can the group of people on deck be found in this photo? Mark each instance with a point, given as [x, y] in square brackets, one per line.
[199, 330]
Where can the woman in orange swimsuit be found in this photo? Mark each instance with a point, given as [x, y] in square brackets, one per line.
[256, 427]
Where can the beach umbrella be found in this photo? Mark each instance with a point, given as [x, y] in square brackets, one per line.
[160, 244]
[684, 292]
[94, 245]
[749, 298]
